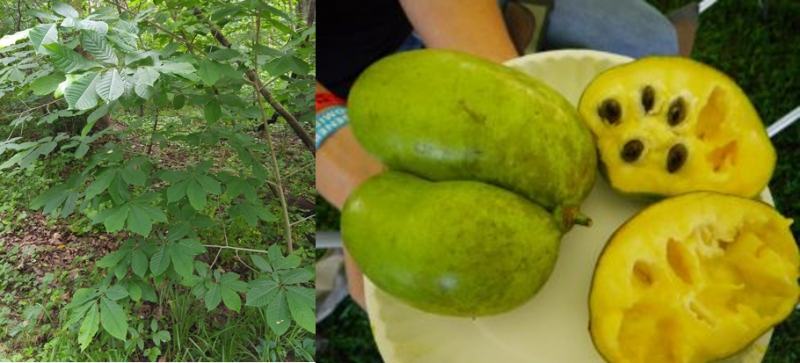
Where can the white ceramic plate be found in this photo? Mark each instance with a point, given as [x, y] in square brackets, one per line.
[553, 326]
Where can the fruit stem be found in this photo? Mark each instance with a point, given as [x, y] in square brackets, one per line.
[571, 215]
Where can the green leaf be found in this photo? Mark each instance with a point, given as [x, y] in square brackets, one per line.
[100, 27]
[208, 72]
[64, 10]
[298, 66]
[296, 276]
[212, 111]
[173, 176]
[112, 317]
[135, 290]
[119, 190]
[301, 312]
[139, 221]
[176, 68]
[148, 293]
[252, 112]
[288, 262]
[111, 85]
[116, 292]
[144, 91]
[262, 264]
[191, 247]
[116, 219]
[263, 49]
[97, 45]
[178, 101]
[232, 100]
[197, 195]
[277, 66]
[10, 39]
[41, 14]
[47, 84]
[41, 35]
[58, 192]
[112, 259]
[101, 183]
[69, 205]
[308, 296]
[236, 285]
[221, 54]
[213, 297]
[68, 60]
[89, 326]
[133, 176]
[94, 116]
[219, 14]
[160, 260]
[154, 213]
[278, 315]
[231, 299]
[275, 254]
[182, 262]
[261, 292]
[177, 190]
[139, 264]
[160, 99]
[146, 75]
[82, 94]
[161, 336]
[209, 184]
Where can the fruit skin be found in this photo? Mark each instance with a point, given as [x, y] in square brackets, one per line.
[451, 116]
[728, 148]
[458, 248]
[744, 275]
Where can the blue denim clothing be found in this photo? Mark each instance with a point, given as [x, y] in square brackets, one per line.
[627, 27]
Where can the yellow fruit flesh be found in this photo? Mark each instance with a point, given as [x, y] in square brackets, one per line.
[728, 150]
[693, 279]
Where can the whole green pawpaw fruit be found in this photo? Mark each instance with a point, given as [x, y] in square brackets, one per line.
[460, 248]
[444, 115]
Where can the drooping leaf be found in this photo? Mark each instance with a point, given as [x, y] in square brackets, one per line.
[89, 326]
[278, 315]
[301, 311]
[100, 27]
[182, 262]
[212, 111]
[213, 297]
[160, 260]
[56, 193]
[208, 72]
[68, 60]
[118, 190]
[111, 85]
[65, 10]
[41, 35]
[10, 39]
[209, 184]
[112, 318]
[178, 101]
[139, 263]
[139, 221]
[116, 219]
[197, 195]
[298, 66]
[82, 94]
[69, 204]
[146, 75]
[97, 45]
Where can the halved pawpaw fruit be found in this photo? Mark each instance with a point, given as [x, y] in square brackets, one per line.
[669, 125]
[693, 278]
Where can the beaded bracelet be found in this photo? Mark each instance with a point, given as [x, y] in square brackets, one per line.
[329, 121]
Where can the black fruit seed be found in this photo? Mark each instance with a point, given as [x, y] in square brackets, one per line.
[610, 111]
[677, 112]
[632, 150]
[648, 98]
[676, 157]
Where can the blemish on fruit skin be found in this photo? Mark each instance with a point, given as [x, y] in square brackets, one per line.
[473, 115]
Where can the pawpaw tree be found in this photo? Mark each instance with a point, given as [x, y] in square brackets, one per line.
[91, 58]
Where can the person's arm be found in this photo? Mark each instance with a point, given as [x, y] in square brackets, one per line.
[475, 27]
